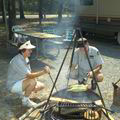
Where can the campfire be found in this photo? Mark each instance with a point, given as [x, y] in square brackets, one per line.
[77, 106]
[75, 111]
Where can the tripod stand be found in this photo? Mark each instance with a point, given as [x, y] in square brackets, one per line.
[76, 35]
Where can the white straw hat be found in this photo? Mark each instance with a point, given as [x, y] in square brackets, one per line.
[27, 45]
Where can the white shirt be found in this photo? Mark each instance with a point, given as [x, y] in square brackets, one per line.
[81, 61]
[18, 68]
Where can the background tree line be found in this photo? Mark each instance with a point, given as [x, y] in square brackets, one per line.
[40, 7]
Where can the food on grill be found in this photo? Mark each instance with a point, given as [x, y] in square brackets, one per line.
[98, 102]
[56, 99]
[78, 88]
[81, 97]
[91, 115]
[73, 105]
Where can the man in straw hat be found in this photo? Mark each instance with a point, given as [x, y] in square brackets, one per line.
[20, 78]
[80, 61]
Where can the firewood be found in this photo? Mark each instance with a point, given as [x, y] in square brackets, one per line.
[41, 104]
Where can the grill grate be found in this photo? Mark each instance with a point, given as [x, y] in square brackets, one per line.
[74, 111]
[75, 105]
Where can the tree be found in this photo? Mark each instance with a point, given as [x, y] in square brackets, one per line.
[2, 6]
[60, 9]
[40, 10]
[21, 8]
[12, 16]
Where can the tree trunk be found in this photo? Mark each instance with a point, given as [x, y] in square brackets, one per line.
[40, 11]
[51, 6]
[5, 19]
[60, 9]
[13, 12]
[2, 6]
[21, 8]
[12, 16]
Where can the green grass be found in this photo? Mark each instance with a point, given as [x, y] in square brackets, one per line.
[30, 13]
[48, 23]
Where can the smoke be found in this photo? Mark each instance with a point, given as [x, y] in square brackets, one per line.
[66, 26]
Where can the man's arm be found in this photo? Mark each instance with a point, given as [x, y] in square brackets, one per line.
[96, 70]
[39, 73]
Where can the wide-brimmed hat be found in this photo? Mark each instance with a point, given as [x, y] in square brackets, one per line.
[27, 45]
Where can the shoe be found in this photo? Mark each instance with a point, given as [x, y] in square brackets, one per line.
[28, 103]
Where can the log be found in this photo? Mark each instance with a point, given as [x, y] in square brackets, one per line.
[41, 104]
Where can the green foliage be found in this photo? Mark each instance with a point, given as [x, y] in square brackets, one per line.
[0, 5]
[49, 6]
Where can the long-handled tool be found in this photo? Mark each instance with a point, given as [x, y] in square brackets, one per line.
[117, 82]
[52, 81]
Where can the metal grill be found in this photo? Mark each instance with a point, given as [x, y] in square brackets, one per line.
[76, 105]
[75, 111]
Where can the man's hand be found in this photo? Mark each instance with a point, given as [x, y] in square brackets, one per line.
[47, 69]
[90, 74]
[96, 71]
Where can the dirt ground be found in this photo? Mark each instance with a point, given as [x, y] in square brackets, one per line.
[10, 105]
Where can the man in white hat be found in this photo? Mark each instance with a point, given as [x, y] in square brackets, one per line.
[81, 64]
[20, 78]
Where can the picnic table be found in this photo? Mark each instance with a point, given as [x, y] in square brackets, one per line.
[40, 36]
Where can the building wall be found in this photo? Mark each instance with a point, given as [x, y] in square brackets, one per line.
[85, 10]
[109, 8]
[105, 8]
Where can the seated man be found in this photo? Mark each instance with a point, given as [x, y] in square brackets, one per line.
[20, 78]
[81, 62]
